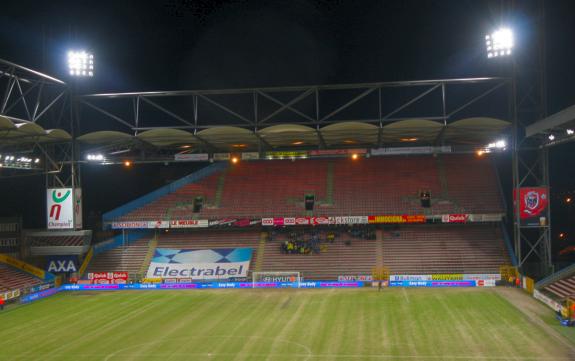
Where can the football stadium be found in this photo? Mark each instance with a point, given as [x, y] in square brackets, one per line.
[384, 220]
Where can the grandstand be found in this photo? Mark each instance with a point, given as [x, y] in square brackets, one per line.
[12, 279]
[377, 185]
[458, 184]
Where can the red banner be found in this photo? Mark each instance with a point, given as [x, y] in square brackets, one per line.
[108, 277]
[396, 219]
[455, 218]
[533, 203]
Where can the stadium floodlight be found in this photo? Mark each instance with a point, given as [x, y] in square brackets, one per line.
[551, 137]
[499, 43]
[95, 157]
[570, 132]
[81, 63]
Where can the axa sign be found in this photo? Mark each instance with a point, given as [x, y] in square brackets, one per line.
[60, 208]
[62, 264]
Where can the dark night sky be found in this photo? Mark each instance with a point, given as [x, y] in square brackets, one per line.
[179, 44]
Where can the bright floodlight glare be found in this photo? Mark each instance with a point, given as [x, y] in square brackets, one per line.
[570, 131]
[80, 63]
[499, 43]
[551, 137]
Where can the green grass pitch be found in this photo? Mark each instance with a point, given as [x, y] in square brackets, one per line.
[290, 325]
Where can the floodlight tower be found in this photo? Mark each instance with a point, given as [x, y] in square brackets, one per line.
[530, 161]
[80, 64]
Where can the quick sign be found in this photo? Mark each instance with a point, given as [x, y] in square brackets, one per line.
[60, 208]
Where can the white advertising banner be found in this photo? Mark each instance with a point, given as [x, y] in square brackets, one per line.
[189, 223]
[193, 157]
[158, 224]
[130, 224]
[60, 208]
[206, 264]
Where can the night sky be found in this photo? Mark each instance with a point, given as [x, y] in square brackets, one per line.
[208, 44]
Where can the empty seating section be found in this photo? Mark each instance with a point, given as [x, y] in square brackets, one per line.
[121, 259]
[178, 205]
[337, 258]
[11, 279]
[563, 288]
[428, 249]
[388, 185]
[473, 184]
[56, 241]
[378, 185]
[211, 240]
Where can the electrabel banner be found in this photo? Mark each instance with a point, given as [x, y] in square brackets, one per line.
[60, 208]
[204, 264]
[533, 206]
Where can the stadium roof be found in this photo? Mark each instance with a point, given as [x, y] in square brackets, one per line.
[476, 130]
[21, 133]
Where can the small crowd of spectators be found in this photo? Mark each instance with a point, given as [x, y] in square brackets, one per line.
[316, 239]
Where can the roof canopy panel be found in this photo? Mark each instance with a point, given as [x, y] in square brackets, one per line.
[289, 135]
[475, 130]
[350, 133]
[167, 137]
[104, 137]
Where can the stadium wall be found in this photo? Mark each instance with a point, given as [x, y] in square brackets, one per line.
[170, 188]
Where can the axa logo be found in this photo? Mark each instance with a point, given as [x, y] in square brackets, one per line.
[56, 208]
[59, 266]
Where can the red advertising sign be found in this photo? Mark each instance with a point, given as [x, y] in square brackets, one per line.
[455, 218]
[533, 203]
[108, 277]
[396, 219]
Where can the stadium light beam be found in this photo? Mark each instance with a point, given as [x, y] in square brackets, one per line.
[80, 63]
[499, 43]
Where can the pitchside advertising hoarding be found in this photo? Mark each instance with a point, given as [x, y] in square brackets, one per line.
[223, 263]
[533, 203]
[64, 208]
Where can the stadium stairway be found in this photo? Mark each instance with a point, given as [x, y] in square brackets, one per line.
[220, 189]
[379, 248]
[260, 252]
[151, 250]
